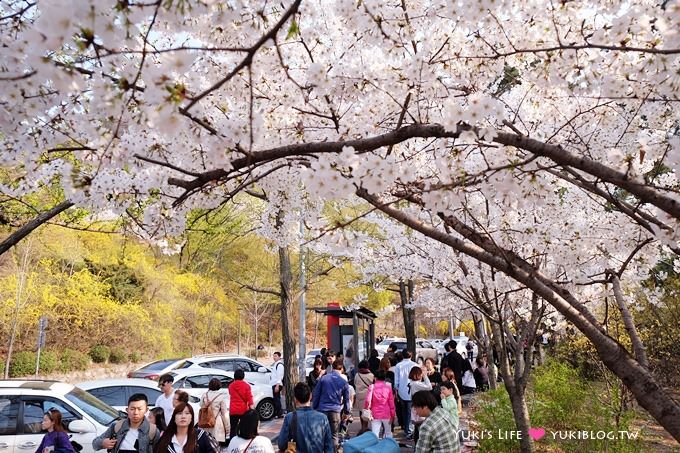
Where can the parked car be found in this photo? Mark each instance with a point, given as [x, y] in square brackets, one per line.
[24, 402]
[383, 345]
[424, 350]
[255, 371]
[156, 369]
[115, 392]
[195, 381]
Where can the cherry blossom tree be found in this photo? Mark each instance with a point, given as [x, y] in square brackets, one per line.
[540, 140]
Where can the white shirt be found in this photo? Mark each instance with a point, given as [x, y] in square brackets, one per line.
[277, 373]
[166, 404]
[128, 442]
[401, 372]
[176, 445]
[259, 445]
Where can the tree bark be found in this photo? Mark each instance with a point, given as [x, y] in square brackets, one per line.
[406, 297]
[636, 342]
[287, 335]
[648, 393]
[515, 387]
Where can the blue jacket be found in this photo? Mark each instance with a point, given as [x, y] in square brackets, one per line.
[313, 433]
[331, 393]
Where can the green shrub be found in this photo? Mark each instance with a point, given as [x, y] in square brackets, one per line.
[135, 356]
[2, 367]
[494, 415]
[100, 353]
[71, 360]
[561, 401]
[49, 361]
[118, 355]
[22, 364]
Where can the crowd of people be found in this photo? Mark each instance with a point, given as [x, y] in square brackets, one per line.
[425, 401]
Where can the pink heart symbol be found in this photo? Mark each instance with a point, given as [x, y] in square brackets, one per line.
[536, 433]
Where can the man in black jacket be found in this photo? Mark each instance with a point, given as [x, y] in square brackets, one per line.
[454, 361]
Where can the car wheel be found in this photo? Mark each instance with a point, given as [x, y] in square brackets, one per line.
[265, 409]
[420, 361]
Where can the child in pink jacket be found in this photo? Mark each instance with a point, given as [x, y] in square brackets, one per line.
[380, 400]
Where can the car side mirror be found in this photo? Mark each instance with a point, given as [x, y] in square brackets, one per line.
[262, 370]
[80, 426]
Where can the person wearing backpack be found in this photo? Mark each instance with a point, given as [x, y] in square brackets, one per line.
[133, 434]
[240, 401]
[213, 415]
[182, 436]
[276, 381]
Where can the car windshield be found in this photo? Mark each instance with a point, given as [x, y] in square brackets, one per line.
[385, 343]
[95, 408]
[159, 365]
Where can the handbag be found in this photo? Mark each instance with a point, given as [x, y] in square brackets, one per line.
[366, 414]
[292, 446]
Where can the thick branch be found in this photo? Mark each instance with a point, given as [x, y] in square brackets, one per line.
[638, 346]
[14, 238]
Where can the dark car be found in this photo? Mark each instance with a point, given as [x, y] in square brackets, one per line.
[154, 370]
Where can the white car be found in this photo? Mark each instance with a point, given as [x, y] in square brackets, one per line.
[383, 345]
[24, 402]
[195, 381]
[115, 392]
[255, 371]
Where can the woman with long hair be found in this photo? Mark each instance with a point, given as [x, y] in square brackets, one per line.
[247, 440]
[56, 440]
[156, 416]
[181, 436]
[314, 375]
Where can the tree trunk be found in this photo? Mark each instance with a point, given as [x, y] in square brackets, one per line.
[406, 297]
[287, 334]
[515, 386]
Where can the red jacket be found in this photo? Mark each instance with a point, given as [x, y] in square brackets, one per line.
[240, 397]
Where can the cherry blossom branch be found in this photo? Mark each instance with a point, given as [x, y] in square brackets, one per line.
[249, 57]
[636, 377]
[497, 54]
[563, 157]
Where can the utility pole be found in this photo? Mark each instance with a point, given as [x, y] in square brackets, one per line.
[42, 325]
[303, 331]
